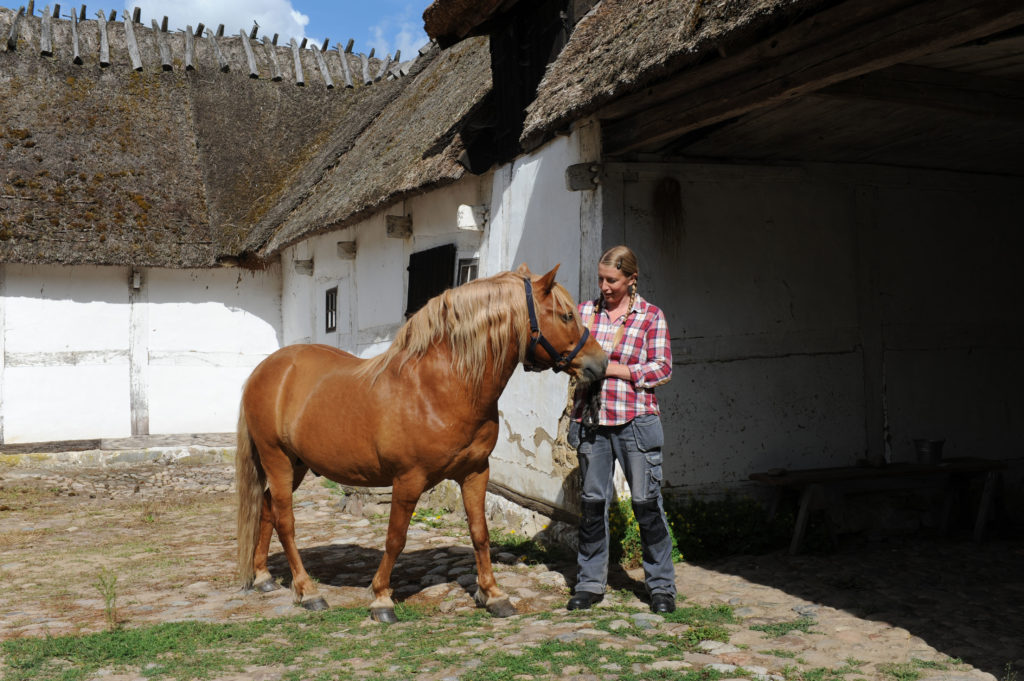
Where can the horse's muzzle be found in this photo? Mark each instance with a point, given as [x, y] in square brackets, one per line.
[592, 370]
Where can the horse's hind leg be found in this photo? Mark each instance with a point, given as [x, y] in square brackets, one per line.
[404, 495]
[263, 580]
[283, 478]
[474, 491]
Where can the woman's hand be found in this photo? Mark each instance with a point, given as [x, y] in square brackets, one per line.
[616, 370]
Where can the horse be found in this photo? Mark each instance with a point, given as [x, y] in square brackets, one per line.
[423, 411]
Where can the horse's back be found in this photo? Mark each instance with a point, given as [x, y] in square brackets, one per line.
[292, 371]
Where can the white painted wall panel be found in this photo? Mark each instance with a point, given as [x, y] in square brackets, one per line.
[195, 399]
[44, 403]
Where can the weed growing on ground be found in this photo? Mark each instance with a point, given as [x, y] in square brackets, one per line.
[911, 671]
[777, 629]
[106, 584]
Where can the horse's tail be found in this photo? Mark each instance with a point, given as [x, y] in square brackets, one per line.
[249, 479]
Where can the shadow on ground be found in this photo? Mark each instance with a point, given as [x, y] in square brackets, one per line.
[965, 600]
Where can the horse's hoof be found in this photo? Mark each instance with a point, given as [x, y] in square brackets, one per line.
[316, 604]
[501, 608]
[385, 615]
[266, 586]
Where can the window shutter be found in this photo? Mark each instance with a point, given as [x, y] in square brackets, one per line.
[430, 272]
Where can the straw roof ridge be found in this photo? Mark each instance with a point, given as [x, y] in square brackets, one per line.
[411, 147]
[622, 46]
[112, 166]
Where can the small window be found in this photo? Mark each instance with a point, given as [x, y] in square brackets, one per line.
[468, 270]
[430, 273]
[331, 309]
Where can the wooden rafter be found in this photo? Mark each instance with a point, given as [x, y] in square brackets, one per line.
[804, 62]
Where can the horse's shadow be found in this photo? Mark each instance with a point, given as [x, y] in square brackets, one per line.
[353, 565]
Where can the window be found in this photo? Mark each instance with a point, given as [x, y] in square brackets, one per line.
[430, 272]
[468, 270]
[331, 309]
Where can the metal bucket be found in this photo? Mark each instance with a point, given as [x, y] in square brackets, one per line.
[928, 451]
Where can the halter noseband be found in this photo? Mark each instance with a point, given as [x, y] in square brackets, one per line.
[537, 338]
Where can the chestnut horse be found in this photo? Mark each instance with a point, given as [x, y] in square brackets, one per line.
[425, 410]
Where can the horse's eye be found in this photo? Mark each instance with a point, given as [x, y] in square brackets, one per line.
[567, 317]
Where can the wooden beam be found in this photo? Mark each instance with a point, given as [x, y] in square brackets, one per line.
[166, 62]
[275, 68]
[250, 58]
[76, 57]
[367, 78]
[297, 59]
[133, 44]
[46, 35]
[345, 70]
[104, 42]
[808, 64]
[322, 65]
[221, 59]
[935, 89]
[190, 49]
[12, 36]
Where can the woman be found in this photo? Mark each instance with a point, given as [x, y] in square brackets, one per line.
[627, 429]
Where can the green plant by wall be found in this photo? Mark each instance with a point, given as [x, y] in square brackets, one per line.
[702, 529]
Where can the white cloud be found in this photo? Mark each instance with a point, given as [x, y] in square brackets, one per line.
[273, 16]
[402, 32]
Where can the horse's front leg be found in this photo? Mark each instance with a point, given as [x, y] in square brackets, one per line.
[474, 493]
[404, 495]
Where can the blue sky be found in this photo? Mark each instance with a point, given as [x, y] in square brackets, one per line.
[384, 25]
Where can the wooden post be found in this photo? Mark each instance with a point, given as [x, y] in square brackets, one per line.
[104, 42]
[366, 69]
[138, 352]
[200, 30]
[112, 16]
[254, 31]
[12, 37]
[384, 66]
[299, 80]
[46, 35]
[76, 58]
[323, 68]
[220, 30]
[327, 41]
[31, 8]
[372, 51]
[351, 43]
[56, 11]
[190, 49]
[165, 51]
[136, 16]
[254, 72]
[344, 65]
[133, 44]
[81, 14]
[163, 25]
[275, 68]
[221, 59]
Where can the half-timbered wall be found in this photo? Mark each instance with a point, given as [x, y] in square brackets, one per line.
[94, 352]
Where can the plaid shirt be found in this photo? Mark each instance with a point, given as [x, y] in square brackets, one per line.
[645, 348]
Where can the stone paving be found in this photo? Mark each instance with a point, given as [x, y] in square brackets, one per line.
[876, 603]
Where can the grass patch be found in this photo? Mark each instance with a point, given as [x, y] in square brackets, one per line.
[911, 671]
[777, 629]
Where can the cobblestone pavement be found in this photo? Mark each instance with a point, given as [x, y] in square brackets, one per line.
[168, 533]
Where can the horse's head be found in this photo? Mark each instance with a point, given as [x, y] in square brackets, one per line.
[558, 339]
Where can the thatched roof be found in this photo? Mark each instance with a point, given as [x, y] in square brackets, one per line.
[622, 46]
[153, 167]
[412, 146]
[449, 21]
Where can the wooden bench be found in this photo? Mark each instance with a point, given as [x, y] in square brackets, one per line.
[818, 487]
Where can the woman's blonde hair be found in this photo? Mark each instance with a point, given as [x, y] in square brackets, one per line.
[621, 258]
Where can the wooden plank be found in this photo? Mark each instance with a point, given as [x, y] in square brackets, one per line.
[323, 68]
[254, 72]
[190, 49]
[366, 69]
[138, 351]
[104, 41]
[706, 96]
[46, 35]
[221, 59]
[350, 45]
[384, 66]
[166, 63]
[299, 78]
[344, 65]
[133, 44]
[937, 89]
[275, 68]
[76, 57]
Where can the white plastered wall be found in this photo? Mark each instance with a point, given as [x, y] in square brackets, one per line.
[87, 353]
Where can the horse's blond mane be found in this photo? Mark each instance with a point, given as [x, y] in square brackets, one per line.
[470, 319]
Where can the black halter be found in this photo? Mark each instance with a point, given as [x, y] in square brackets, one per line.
[536, 337]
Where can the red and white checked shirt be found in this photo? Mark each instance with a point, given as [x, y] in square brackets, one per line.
[645, 348]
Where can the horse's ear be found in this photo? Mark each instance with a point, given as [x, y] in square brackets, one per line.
[547, 282]
[524, 270]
